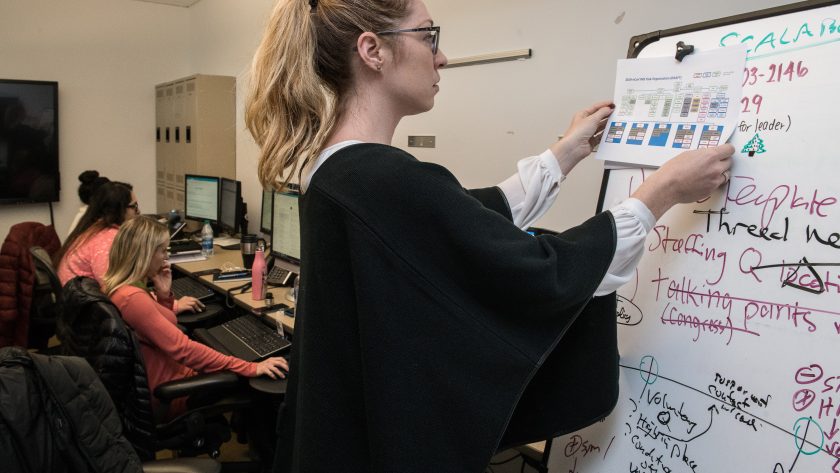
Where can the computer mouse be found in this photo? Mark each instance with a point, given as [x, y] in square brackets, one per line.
[267, 385]
[211, 308]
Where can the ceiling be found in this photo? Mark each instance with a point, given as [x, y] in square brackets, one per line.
[176, 3]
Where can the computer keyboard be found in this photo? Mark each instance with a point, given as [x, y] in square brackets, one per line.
[184, 246]
[186, 286]
[255, 335]
[279, 276]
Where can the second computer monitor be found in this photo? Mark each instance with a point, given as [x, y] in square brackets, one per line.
[285, 224]
[201, 198]
[230, 206]
[267, 207]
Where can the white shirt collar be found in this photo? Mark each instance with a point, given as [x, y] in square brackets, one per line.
[322, 158]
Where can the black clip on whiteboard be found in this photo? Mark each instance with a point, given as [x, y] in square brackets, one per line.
[683, 50]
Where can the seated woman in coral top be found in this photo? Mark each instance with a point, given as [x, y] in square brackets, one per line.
[86, 250]
[139, 255]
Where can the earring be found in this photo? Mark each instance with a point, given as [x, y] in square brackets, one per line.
[379, 67]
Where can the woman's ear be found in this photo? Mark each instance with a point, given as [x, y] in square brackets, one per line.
[369, 47]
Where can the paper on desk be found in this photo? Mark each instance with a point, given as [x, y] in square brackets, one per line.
[665, 107]
[186, 258]
[225, 241]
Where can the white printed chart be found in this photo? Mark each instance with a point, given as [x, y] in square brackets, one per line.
[664, 107]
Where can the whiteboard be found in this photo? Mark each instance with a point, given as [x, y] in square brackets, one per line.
[730, 332]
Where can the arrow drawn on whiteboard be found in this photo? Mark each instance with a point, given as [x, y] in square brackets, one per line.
[789, 280]
[712, 411]
[792, 276]
[836, 467]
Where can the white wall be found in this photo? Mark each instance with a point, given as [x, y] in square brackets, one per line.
[106, 55]
[224, 36]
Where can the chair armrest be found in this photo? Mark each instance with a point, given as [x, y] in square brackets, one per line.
[183, 465]
[205, 382]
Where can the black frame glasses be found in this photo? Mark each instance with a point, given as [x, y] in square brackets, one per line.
[134, 205]
[434, 30]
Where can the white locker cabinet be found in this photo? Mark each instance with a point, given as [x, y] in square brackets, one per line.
[195, 133]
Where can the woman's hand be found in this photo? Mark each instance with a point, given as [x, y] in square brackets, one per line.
[163, 281]
[582, 136]
[274, 368]
[188, 303]
[689, 177]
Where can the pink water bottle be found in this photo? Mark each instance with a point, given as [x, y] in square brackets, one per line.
[258, 275]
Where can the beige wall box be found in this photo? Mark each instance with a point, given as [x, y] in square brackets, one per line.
[195, 133]
[421, 141]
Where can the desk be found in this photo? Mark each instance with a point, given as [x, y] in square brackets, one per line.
[536, 454]
[234, 257]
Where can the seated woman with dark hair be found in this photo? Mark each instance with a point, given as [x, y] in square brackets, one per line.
[139, 255]
[90, 182]
[85, 252]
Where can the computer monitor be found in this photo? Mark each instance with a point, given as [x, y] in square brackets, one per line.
[230, 205]
[285, 225]
[201, 198]
[265, 216]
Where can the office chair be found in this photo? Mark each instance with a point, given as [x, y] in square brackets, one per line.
[55, 415]
[92, 327]
[47, 302]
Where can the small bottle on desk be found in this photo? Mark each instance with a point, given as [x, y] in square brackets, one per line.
[207, 239]
[258, 275]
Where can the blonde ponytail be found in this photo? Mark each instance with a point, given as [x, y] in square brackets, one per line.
[299, 74]
[288, 110]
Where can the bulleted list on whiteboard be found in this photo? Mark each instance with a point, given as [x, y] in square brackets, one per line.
[664, 107]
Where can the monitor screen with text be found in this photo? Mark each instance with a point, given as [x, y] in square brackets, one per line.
[201, 199]
[285, 225]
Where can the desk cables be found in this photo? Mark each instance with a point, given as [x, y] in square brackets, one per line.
[230, 292]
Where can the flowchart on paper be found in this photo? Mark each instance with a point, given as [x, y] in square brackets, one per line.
[664, 107]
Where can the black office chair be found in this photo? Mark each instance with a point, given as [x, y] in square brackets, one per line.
[55, 415]
[92, 327]
[47, 302]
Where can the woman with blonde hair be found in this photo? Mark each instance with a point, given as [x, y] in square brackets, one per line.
[87, 248]
[139, 255]
[433, 330]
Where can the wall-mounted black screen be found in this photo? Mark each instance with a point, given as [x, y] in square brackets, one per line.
[28, 141]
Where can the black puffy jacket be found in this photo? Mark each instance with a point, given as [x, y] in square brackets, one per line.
[56, 416]
[91, 327]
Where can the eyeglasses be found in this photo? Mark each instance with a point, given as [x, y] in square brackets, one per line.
[133, 205]
[433, 37]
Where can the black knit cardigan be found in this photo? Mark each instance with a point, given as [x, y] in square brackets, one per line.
[431, 330]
